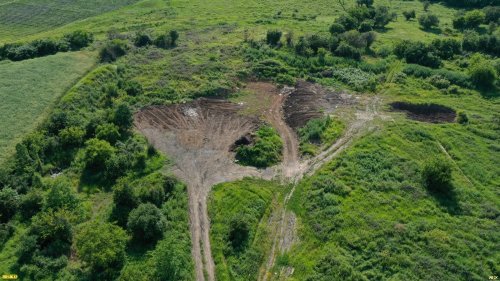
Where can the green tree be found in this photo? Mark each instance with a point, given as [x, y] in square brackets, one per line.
[436, 175]
[113, 50]
[78, 39]
[273, 37]
[108, 132]
[72, 136]
[31, 203]
[483, 75]
[146, 223]
[61, 195]
[123, 117]
[411, 14]
[102, 247]
[53, 231]
[428, 21]
[239, 233]
[96, 154]
[9, 202]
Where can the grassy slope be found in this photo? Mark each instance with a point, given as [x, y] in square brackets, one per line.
[28, 17]
[29, 88]
[248, 199]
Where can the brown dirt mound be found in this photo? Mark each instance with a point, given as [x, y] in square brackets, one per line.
[304, 104]
[427, 112]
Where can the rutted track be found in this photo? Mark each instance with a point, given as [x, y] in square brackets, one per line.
[199, 135]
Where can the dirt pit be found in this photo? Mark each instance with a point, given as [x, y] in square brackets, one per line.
[310, 101]
[426, 112]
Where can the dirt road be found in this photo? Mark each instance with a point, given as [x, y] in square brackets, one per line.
[199, 135]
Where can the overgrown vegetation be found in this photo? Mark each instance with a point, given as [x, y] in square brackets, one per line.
[319, 132]
[266, 150]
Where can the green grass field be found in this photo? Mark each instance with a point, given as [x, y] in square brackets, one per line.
[248, 200]
[29, 88]
[26, 17]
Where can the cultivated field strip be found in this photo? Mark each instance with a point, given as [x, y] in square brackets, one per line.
[26, 17]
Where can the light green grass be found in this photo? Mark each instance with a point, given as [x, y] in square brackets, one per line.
[29, 88]
[249, 200]
[27, 17]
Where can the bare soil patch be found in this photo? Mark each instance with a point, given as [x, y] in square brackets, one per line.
[426, 112]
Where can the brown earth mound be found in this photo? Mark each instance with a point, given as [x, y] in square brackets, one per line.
[427, 112]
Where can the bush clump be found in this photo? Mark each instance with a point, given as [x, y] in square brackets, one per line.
[265, 152]
[436, 175]
[113, 50]
[146, 223]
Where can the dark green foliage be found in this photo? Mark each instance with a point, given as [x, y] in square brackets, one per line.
[108, 132]
[354, 38]
[347, 51]
[469, 3]
[420, 71]
[483, 75]
[436, 175]
[113, 50]
[347, 21]
[131, 87]
[45, 47]
[171, 261]
[315, 130]
[6, 231]
[9, 203]
[31, 203]
[72, 136]
[426, 5]
[469, 20]
[485, 43]
[102, 247]
[78, 39]
[446, 48]
[125, 200]
[61, 196]
[367, 3]
[428, 21]
[123, 117]
[409, 14]
[146, 223]
[97, 153]
[383, 16]
[273, 37]
[417, 52]
[462, 118]
[365, 26]
[492, 14]
[239, 233]
[166, 41]
[142, 39]
[315, 42]
[265, 152]
[336, 28]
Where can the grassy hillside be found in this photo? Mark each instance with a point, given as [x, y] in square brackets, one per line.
[29, 88]
[243, 205]
[368, 214]
[26, 17]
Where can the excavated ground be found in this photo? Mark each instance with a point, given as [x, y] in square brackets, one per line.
[200, 136]
[428, 112]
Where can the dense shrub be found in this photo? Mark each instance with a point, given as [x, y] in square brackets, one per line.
[417, 52]
[78, 39]
[9, 203]
[102, 247]
[168, 40]
[336, 28]
[365, 26]
[53, 232]
[61, 196]
[142, 39]
[446, 48]
[367, 3]
[436, 175]
[31, 203]
[492, 14]
[428, 21]
[354, 38]
[347, 51]
[347, 21]
[273, 37]
[265, 152]
[108, 132]
[97, 152]
[462, 118]
[239, 234]
[469, 20]
[113, 50]
[409, 14]
[485, 43]
[72, 136]
[439, 82]
[122, 117]
[146, 223]
[483, 75]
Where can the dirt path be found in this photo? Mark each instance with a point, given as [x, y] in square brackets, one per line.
[198, 137]
[285, 235]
